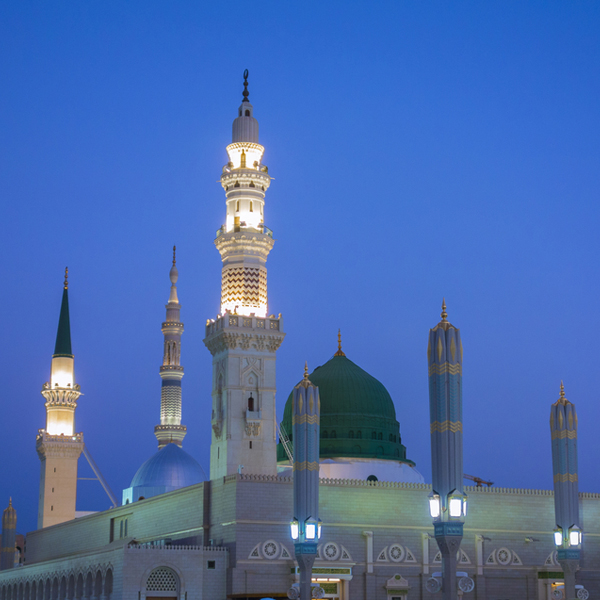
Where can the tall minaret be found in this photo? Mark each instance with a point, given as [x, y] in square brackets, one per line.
[243, 339]
[171, 371]
[9, 536]
[58, 446]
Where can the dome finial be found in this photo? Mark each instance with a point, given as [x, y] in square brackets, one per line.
[339, 350]
[174, 248]
[245, 93]
[444, 313]
[66, 278]
[305, 370]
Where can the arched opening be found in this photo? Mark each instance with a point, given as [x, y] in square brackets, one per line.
[54, 593]
[98, 585]
[333, 435]
[251, 403]
[373, 435]
[63, 588]
[162, 582]
[26, 593]
[324, 435]
[79, 587]
[71, 587]
[356, 449]
[397, 453]
[33, 591]
[251, 206]
[351, 435]
[372, 478]
[108, 584]
[20, 593]
[247, 113]
[359, 435]
[380, 450]
[380, 436]
[88, 586]
[48, 589]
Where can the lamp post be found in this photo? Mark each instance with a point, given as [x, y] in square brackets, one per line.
[305, 527]
[567, 535]
[447, 501]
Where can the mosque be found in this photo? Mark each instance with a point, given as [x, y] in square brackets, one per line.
[180, 534]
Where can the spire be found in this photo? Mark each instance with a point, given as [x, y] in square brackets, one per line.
[63, 336]
[444, 313]
[245, 93]
[339, 350]
[562, 399]
[174, 276]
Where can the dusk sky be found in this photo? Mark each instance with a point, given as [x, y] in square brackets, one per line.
[418, 149]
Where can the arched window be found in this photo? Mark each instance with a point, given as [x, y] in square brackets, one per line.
[125, 527]
[391, 437]
[380, 450]
[237, 206]
[247, 113]
[251, 403]
[372, 478]
[396, 452]
[121, 530]
[251, 206]
[374, 435]
[351, 435]
[359, 435]
[380, 436]
[333, 434]
[162, 579]
[324, 435]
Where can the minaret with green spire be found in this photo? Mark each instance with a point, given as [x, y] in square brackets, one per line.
[58, 446]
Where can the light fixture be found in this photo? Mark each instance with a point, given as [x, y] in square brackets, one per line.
[310, 529]
[294, 529]
[319, 527]
[457, 505]
[574, 536]
[434, 505]
[558, 538]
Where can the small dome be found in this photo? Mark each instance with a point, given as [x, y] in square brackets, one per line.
[358, 418]
[171, 468]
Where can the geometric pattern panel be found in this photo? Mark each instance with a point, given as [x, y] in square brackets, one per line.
[162, 580]
[244, 286]
[170, 405]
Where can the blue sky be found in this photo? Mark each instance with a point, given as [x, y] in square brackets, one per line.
[419, 150]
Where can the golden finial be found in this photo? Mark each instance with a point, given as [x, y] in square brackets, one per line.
[562, 398]
[305, 370]
[174, 248]
[339, 350]
[444, 313]
[66, 278]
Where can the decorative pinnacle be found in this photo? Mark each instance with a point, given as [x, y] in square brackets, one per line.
[174, 247]
[562, 398]
[305, 380]
[306, 370]
[339, 350]
[66, 278]
[245, 93]
[444, 313]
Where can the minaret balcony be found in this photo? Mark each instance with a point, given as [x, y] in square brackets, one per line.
[237, 322]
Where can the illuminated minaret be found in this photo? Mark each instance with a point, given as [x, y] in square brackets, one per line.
[447, 501]
[171, 371]
[58, 446]
[567, 535]
[9, 536]
[243, 339]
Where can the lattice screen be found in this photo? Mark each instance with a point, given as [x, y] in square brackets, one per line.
[162, 580]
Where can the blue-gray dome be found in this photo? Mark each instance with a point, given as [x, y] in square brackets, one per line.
[169, 469]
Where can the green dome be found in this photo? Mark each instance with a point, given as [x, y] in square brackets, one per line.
[358, 418]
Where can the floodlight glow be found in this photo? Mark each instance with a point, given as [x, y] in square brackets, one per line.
[434, 506]
[455, 506]
[558, 537]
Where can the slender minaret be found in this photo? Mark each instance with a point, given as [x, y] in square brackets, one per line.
[306, 526]
[171, 371]
[447, 501]
[58, 446]
[9, 535]
[243, 339]
[563, 428]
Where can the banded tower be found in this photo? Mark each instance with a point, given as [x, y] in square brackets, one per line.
[448, 503]
[58, 446]
[170, 429]
[242, 339]
[567, 535]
